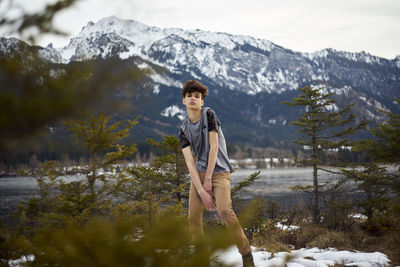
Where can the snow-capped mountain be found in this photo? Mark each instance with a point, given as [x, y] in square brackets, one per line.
[253, 74]
[237, 62]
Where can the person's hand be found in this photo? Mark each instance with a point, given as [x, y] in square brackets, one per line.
[207, 201]
[207, 185]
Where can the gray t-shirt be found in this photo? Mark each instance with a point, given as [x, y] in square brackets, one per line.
[196, 135]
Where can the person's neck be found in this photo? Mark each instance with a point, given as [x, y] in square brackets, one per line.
[194, 115]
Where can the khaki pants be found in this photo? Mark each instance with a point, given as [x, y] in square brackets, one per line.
[222, 193]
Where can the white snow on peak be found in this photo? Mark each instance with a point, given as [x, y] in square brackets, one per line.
[165, 80]
[142, 37]
[317, 54]
[397, 61]
[353, 56]
[332, 107]
[231, 61]
[336, 90]
[159, 78]
[112, 24]
[363, 98]
[173, 110]
[374, 105]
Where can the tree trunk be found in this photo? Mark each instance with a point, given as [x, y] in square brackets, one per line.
[315, 178]
[177, 173]
[316, 195]
[92, 178]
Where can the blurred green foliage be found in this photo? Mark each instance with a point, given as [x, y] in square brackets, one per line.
[100, 214]
[36, 94]
[122, 241]
[30, 25]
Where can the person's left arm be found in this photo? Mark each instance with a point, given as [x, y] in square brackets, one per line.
[213, 153]
[212, 159]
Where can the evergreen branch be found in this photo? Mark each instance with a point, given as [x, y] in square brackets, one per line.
[245, 183]
[42, 21]
[330, 171]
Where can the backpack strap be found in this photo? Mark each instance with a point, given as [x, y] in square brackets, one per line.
[205, 117]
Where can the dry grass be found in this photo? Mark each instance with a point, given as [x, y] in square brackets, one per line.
[356, 237]
[271, 238]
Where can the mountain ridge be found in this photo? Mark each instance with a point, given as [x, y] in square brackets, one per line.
[237, 62]
[241, 71]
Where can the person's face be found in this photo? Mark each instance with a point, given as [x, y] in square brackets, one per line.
[193, 100]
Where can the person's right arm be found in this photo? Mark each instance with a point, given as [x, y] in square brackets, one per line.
[206, 198]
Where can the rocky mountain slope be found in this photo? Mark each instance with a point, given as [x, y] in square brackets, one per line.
[247, 77]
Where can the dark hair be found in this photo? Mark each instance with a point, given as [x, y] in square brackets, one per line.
[192, 86]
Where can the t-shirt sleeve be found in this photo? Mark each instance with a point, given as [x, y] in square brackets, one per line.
[182, 139]
[213, 122]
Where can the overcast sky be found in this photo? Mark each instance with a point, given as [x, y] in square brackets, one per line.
[300, 25]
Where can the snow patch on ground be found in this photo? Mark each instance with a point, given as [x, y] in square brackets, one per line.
[297, 258]
[306, 258]
[21, 261]
[285, 227]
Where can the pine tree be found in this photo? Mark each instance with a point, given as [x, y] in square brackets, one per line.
[102, 143]
[322, 129]
[380, 184]
[173, 165]
[374, 182]
[62, 199]
[161, 185]
[385, 146]
[240, 189]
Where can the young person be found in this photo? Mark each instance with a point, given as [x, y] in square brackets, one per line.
[210, 174]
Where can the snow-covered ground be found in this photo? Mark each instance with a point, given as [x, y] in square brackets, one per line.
[313, 257]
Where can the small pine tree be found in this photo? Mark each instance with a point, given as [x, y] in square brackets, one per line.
[322, 129]
[385, 146]
[161, 185]
[374, 182]
[241, 188]
[173, 165]
[101, 142]
[64, 199]
[380, 184]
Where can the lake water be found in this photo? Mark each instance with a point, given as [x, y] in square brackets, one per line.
[274, 184]
[274, 181]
